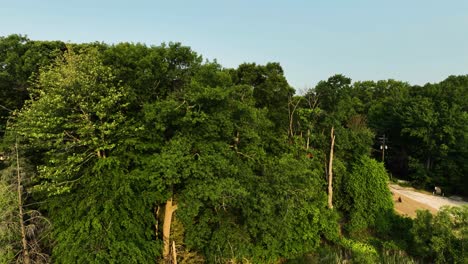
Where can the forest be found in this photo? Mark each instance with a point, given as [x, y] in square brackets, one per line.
[129, 153]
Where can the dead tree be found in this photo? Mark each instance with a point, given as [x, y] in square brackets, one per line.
[169, 210]
[24, 240]
[26, 226]
[292, 106]
[174, 253]
[330, 170]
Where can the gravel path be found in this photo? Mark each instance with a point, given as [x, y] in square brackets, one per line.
[429, 200]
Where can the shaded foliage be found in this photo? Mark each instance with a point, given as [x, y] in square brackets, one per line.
[442, 238]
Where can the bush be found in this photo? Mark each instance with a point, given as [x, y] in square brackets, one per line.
[442, 238]
[397, 231]
[361, 252]
[369, 197]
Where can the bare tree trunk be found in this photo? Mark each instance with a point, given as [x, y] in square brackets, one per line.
[330, 171]
[101, 154]
[308, 139]
[174, 253]
[291, 115]
[168, 212]
[24, 241]
[156, 225]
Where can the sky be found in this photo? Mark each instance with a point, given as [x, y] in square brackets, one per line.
[410, 40]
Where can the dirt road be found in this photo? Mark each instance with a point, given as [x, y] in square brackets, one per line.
[412, 200]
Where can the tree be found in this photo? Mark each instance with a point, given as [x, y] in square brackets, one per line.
[384, 117]
[270, 90]
[76, 119]
[335, 104]
[332, 91]
[230, 203]
[152, 73]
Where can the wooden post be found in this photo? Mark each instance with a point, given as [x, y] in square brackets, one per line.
[330, 170]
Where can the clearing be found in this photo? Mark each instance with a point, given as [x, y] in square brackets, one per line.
[412, 200]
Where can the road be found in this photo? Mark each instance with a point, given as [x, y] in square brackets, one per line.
[412, 200]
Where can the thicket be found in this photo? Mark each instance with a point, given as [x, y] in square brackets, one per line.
[130, 153]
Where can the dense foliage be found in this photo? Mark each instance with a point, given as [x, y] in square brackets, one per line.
[442, 238]
[368, 195]
[119, 143]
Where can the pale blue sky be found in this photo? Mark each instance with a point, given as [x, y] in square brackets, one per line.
[417, 41]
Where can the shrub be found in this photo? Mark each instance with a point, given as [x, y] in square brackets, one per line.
[442, 238]
[369, 197]
[361, 252]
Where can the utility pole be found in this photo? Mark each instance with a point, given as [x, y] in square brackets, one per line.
[383, 146]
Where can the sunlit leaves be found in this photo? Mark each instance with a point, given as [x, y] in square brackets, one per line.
[74, 115]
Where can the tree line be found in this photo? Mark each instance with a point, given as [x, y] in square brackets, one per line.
[130, 153]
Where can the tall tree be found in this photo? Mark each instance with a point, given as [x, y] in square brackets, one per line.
[76, 118]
